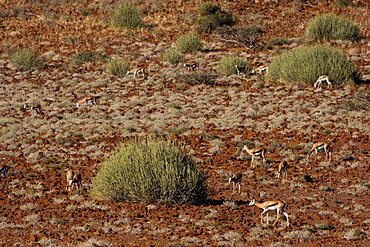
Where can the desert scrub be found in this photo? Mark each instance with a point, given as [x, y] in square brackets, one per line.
[117, 67]
[306, 64]
[26, 59]
[127, 16]
[227, 65]
[198, 78]
[358, 101]
[327, 27]
[151, 170]
[189, 43]
[89, 57]
[212, 16]
[172, 55]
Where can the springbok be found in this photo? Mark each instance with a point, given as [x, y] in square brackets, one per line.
[317, 146]
[34, 107]
[255, 152]
[240, 69]
[88, 99]
[277, 205]
[260, 69]
[4, 172]
[136, 71]
[283, 169]
[236, 180]
[191, 66]
[73, 178]
[321, 80]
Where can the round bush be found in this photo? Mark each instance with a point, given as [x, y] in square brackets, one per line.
[327, 27]
[306, 64]
[26, 59]
[227, 65]
[189, 43]
[117, 67]
[127, 16]
[151, 170]
[172, 55]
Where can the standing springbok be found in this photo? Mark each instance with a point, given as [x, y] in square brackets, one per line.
[240, 69]
[283, 169]
[260, 69]
[88, 99]
[191, 66]
[255, 152]
[73, 178]
[321, 80]
[277, 205]
[4, 172]
[34, 107]
[136, 71]
[320, 145]
[236, 180]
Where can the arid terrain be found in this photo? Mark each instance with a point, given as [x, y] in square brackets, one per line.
[327, 202]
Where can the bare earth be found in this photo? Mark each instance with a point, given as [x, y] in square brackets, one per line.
[328, 203]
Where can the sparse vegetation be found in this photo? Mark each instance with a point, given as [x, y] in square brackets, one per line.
[127, 16]
[89, 57]
[189, 43]
[306, 64]
[198, 78]
[358, 102]
[227, 65]
[26, 59]
[151, 170]
[327, 27]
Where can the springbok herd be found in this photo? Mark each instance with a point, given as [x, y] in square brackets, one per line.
[75, 179]
[190, 67]
[278, 205]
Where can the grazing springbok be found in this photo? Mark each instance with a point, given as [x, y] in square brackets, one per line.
[277, 205]
[136, 71]
[240, 69]
[321, 80]
[317, 146]
[87, 100]
[73, 178]
[191, 66]
[255, 152]
[260, 69]
[4, 172]
[34, 107]
[236, 180]
[283, 169]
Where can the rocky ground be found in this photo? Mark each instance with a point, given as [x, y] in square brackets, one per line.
[327, 202]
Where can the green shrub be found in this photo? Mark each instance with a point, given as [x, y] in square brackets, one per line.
[151, 170]
[127, 16]
[26, 59]
[172, 55]
[306, 64]
[212, 16]
[227, 65]
[332, 27]
[189, 43]
[117, 67]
